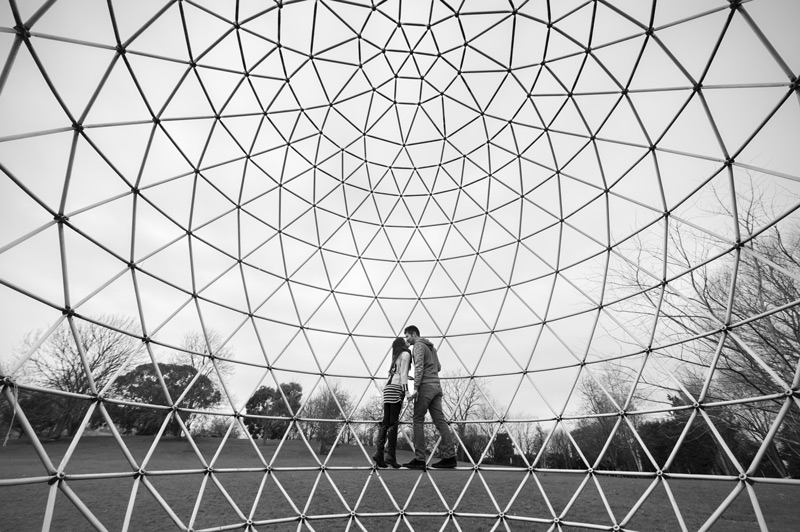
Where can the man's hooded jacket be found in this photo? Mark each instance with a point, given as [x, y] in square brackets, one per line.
[426, 363]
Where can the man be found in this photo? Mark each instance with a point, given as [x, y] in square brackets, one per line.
[428, 399]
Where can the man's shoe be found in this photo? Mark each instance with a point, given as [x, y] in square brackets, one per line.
[379, 461]
[415, 464]
[446, 463]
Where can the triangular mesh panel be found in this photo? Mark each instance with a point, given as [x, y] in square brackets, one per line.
[215, 217]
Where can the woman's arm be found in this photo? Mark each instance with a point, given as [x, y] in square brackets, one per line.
[403, 364]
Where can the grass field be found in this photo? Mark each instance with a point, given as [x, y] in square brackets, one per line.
[178, 475]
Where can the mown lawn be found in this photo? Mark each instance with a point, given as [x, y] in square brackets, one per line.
[178, 475]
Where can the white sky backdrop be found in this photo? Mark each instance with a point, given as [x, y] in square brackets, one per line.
[338, 171]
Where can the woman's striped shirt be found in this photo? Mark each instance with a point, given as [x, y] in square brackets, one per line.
[395, 389]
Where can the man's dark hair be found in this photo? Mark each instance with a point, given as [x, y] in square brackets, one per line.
[411, 329]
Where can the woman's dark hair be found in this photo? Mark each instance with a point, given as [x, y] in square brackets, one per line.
[398, 346]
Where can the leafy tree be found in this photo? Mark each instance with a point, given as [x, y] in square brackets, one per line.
[258, 404]
[143, 385]
[41, 410]
[502, 449]
[78, 358]
[700, 452]
[267, 401]
[560, 453]
[211, 426]
[739, 443]
[475, 440]
[331, 402]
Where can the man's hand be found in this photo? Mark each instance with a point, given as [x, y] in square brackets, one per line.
[411, 396]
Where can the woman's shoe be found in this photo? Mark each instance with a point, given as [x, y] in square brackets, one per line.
[379, 461]
[392, 462]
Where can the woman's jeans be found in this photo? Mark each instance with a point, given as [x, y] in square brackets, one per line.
[429, 399]
[387, 435]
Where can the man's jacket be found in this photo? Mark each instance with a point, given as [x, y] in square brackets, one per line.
[426, 363]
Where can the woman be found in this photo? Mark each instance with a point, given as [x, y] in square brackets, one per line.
[393, 393]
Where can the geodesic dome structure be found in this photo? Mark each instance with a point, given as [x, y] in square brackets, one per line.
[589, 206]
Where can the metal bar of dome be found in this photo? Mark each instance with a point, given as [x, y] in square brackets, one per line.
[714, 517]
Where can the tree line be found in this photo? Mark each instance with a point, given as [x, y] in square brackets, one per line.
[58, 391]
[741, 314]
[729, 383]
[137, 403]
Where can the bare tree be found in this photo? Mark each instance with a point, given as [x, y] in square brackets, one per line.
[607, 392]
[371, 409]
[529, 438]
[196, 348]
[465, 399]
[743, 312]
[76, 354]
